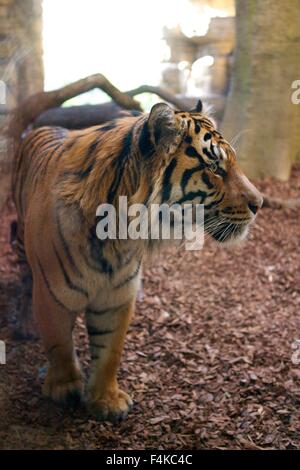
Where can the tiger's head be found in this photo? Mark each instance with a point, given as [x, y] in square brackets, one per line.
[200, 167]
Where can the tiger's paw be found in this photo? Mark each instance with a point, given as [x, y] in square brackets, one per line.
[113, 407]
[64, 390]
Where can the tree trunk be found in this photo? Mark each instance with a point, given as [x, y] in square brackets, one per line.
[259, 110]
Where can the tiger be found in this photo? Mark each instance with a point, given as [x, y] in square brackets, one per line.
[60, 177]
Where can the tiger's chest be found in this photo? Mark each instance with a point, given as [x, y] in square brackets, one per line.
[113, 274]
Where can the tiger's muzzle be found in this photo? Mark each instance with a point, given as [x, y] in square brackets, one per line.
[230, 221]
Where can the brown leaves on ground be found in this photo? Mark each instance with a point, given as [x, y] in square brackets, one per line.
[208, 356]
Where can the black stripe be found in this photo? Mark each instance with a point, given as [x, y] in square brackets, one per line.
[192, 195]
[192, 152]
[206, 180]
[149, 192]
[211, 156]
[84, 173]
[214, 203]
[46, 147]
[98, 312]
[120, 162]
[221, 172]
[146, 146]
[208, 154]
[206, 121]
[131, 254]
[187, 174]
[207, 136]
[158, 130]
[29, 142]
[89, 160]
[125, 152]
[129, 278]
[69, 144]
[50, 289]
[93, 331]
[213, 151]
[230, 210]
[92, 147]
[188, 139]
[38, 146]
[107, 127]
[41, 168]
[89, 264]
[67, 279]
[34, 140]
[66, 248]
[46, 162]
[166, 185]
[96, 252]
[197, 126]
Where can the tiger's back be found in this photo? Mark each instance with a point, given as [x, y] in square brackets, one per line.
[32, 163]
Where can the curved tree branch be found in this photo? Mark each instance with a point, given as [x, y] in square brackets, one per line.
[78, 117]
[34, 105]
[179, 103]
[96, 81]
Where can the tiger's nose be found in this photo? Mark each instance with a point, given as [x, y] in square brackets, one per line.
[253, 207]
[255, 203]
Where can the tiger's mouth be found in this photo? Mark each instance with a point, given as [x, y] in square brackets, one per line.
[224, 230]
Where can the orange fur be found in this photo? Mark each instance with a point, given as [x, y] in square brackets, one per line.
[60, 178]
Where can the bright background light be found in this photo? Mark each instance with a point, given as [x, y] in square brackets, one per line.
[122, 39]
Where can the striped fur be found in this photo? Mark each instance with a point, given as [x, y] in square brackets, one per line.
[60, 178]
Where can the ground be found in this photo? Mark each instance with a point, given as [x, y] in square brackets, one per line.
[209, 356]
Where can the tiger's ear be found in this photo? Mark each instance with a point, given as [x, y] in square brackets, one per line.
[166, 131]
[198, 108]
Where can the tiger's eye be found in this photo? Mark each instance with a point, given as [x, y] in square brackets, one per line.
[213, 167]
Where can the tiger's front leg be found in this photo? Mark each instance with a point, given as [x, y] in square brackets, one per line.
[107, 330]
